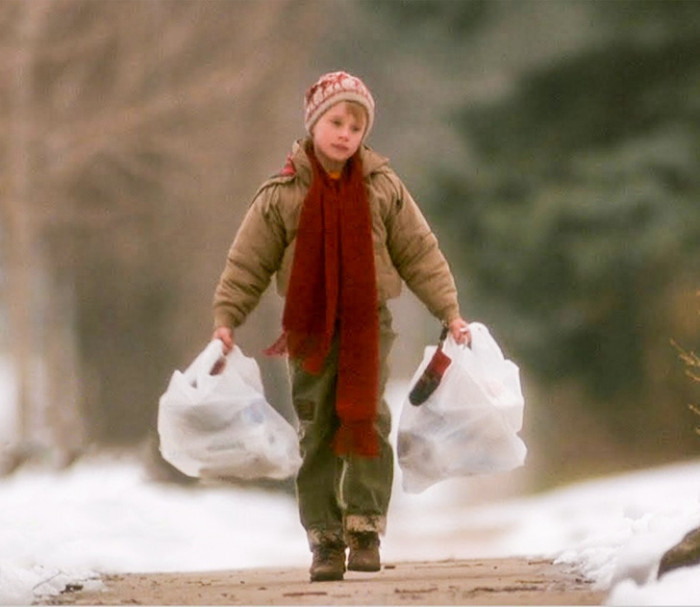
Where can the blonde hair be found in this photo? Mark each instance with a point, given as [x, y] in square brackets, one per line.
[355, 109]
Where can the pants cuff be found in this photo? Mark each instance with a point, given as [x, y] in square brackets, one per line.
[365, 522]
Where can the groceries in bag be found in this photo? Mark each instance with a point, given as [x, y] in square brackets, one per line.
[470, 423]
[214, 421]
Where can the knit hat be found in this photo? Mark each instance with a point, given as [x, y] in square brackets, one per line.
[332, 88]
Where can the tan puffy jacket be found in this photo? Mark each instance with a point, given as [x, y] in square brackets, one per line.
[405, 248]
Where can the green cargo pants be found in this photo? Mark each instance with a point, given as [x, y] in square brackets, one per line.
[348, 493]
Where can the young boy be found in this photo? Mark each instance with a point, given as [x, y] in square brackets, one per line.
[341, 233]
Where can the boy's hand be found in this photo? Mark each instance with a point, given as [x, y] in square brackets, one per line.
[459, 329]
[226, 336]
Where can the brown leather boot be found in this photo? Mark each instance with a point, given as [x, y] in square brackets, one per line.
[364, 551]
[328, 562]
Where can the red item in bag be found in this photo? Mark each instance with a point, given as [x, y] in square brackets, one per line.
[431, 376]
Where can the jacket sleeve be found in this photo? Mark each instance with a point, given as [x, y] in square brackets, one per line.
[253, 258]
[417, 257]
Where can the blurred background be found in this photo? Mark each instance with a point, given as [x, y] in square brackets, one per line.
[553, 146]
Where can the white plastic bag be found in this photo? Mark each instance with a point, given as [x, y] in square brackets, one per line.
[221, 426]
[469, 424]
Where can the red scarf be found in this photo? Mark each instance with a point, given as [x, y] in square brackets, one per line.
[333, 287]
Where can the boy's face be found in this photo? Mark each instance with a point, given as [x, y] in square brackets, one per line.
[338, 134]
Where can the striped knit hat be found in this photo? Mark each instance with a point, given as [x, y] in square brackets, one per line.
[332, 88]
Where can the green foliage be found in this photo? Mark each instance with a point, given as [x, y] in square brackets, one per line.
[583, 208]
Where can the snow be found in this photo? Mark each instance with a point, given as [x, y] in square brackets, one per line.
[104, 515]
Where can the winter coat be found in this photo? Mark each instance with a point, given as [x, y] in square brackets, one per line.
[405, 248]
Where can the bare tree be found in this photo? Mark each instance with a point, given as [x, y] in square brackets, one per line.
[141, 130]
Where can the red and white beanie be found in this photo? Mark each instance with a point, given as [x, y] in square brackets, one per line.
[332, 88]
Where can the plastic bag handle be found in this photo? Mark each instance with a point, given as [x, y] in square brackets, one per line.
[204, 363]
[447, 336]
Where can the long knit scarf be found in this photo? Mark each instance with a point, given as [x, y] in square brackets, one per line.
[333, 288]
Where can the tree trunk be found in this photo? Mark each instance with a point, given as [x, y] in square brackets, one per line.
[19, 239]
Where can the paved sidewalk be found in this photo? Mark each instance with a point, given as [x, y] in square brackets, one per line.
[510, 581]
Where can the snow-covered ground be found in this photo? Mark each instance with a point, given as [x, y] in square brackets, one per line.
[104, 515]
